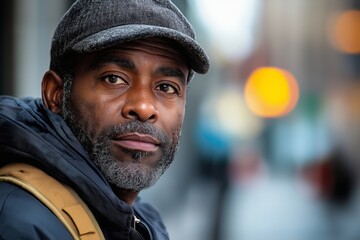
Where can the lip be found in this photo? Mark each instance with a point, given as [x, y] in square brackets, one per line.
[136, 141]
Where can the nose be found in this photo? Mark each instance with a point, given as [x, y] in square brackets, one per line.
[140, 106]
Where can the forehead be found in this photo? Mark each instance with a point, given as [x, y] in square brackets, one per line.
[161, 56]
[153, 46]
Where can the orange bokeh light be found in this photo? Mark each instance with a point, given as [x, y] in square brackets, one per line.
[271, 92]
[345, 32]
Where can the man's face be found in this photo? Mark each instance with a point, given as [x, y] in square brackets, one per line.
[126, 106]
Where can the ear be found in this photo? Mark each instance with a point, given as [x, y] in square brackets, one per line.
[52, 90]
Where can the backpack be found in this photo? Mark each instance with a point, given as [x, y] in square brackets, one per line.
[60, 199]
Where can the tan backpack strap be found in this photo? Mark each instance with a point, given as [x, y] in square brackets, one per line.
[60, 199]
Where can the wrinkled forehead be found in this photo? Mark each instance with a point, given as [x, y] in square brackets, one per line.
[159, 46]
[153, 46]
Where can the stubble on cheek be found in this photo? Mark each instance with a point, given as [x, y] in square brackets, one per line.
[90, 118]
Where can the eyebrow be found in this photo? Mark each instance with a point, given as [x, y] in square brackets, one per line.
[106, 59]
[122, 62]
[171, 72]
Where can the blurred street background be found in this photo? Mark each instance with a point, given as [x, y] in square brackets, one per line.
[271, 142]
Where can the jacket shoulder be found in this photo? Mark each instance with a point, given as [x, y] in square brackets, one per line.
[22, 216]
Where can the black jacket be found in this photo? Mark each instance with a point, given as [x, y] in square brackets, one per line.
[30, 133]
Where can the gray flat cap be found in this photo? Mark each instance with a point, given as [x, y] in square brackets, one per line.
[91, 25]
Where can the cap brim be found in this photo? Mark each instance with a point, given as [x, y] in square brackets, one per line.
[195, 55]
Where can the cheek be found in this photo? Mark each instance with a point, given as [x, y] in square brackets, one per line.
[175, 120]
[89, 113]
[170, 116]
[181, 116]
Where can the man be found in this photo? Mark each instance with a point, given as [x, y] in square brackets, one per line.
[110, 118]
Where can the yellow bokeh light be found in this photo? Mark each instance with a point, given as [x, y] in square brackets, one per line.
[271, 92]
[345, 32]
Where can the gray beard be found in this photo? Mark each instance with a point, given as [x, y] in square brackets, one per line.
[126, 175]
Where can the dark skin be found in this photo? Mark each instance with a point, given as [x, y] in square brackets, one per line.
[143, 80]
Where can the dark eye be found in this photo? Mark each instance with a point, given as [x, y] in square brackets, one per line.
[113, 79]
[167, 88]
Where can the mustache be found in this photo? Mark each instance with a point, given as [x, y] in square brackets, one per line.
[138, 127]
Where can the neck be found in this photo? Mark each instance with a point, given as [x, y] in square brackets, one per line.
[128, 196]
